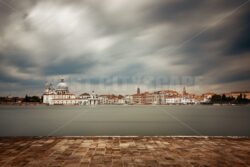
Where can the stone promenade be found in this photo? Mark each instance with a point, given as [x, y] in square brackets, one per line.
[124, 151]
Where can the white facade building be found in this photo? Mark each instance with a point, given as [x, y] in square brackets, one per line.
[121, 101]
[173, 100]
[94, 99]
[62, 96]
[59, 96]
[88, 99]
[83, 99]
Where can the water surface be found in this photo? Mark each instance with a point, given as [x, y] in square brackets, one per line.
[124, 120]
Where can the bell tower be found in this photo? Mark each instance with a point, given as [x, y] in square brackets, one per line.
[184, 91]
[138, 91]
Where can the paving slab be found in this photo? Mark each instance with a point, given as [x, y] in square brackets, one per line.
[124, 151]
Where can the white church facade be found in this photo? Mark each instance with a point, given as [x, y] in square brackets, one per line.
[62, 96]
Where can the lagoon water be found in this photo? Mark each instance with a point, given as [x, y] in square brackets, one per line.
[124, 120]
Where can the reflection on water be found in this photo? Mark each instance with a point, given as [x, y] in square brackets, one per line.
[124, 120]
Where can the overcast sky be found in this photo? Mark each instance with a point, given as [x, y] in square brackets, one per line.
[117, 45]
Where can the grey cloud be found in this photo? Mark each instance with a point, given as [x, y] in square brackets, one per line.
[234, 77]
[173, 11]
[241, 42]
[18, 59]
[68, 66]
[103, 39]
[5, 78]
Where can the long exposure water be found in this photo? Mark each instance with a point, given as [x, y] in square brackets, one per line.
[124, 120]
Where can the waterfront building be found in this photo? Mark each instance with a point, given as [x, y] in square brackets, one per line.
[84, 99]
[167, 94]
[206, 97]
[187, 98]
[128, 99]
[59, 96]
[49, 94]
[94, 99]
[173, 97]
[62, 96]
[137, 98]
[103, 99]
[149, 98]
[121, 99]
[173, 100]
[112, 99]
[156, 98]
[84, 96]
[109, 99]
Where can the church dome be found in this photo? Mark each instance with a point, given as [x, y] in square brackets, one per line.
[62, 85]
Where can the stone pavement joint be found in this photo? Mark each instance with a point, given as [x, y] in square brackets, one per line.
[124, 151]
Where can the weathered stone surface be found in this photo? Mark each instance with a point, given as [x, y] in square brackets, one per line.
[124, 151]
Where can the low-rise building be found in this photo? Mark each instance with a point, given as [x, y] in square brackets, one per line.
[206, 97]
[83, 99]
[128, 99]
[138, 98]
[112, 99]
[167, 94]
[148, 98]
[173, 100]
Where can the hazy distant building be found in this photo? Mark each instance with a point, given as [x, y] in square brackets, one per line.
[206, 97]
[128, 99]
[187, 98]
[184, 92]
[84, 99]
[165, 95]
[137, 98]
[138, 91]
[173, 100]
[121, 99]
[112, 99]
[94, 100]
[148, 98]
[60, 95]
[103, 99]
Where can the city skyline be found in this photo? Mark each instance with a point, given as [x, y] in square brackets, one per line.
[203, 45]
[61, 95]
[52, 88]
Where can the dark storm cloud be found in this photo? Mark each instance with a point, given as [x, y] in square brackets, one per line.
[68, 66]
[12, 7]
[234, 77]
[241, 43]
[173, 11]
[92, 40]
[130, 70]
[4, 13]
[6, 78]
[209, 50]
[17, 58]
[17, 61]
